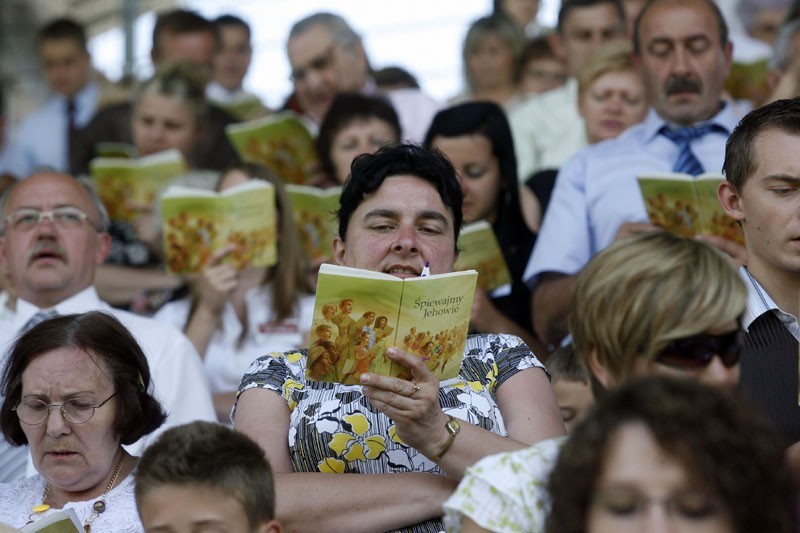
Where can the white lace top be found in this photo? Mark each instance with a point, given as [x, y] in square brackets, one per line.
[18, 498]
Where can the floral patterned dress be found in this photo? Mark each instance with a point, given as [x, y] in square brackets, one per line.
[334, 429]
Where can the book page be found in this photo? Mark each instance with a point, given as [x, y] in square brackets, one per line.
[715, 221]
[355, 320]
[671, 204]
[479, 250]
[315, 215]
[197, 222]
[434, 320]
[61, 521]
[280, 142]
[121, 181]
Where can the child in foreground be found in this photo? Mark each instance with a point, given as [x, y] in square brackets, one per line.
[204, 475]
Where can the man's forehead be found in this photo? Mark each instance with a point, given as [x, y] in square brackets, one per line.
[309, 45]
[698, 20]
[598, 16]
[55, 189]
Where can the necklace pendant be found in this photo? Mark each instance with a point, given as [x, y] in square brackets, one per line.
[87, 528]
[99, 506]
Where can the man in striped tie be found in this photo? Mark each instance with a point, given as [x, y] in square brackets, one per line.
[762, 192]
[52, 237]
[683, 54]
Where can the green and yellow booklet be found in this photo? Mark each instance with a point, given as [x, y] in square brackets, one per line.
[62, 521]
[479, 250]
[246, 107]
[315, 215]
[359, 313]
[197, 222]
[688, 206]
[122, 182]
[280, 142]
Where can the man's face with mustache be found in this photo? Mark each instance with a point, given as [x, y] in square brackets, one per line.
[682, 62]
[50, 263]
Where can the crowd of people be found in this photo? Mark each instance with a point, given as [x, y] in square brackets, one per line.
[625, 378]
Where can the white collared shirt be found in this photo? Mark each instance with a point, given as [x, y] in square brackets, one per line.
[759, 302]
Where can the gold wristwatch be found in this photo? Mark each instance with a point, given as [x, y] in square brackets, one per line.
[452, 427]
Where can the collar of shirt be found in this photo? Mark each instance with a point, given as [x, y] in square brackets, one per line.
[86, 300]
[760, 302]
[725, 118]
[85, 103]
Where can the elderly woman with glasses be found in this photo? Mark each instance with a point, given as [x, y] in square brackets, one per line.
[76, 389]
[650, 304]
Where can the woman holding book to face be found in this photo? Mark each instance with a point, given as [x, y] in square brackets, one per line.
[169, 112]
[233, 316]
[398, 446]
[476, 137]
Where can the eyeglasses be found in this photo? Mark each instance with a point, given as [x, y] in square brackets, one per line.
[74, 410]
[698, 350]
[26, 219]
[319, 63]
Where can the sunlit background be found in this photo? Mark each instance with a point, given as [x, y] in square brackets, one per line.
[423, 36]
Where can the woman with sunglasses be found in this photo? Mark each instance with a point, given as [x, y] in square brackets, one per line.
[650, 304]
[76, 390]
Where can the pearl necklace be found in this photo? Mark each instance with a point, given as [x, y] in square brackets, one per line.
[98, 507]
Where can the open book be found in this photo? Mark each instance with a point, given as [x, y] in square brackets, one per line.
[688, 206]
[61, 521]
[315, 215]
[359, 313]
[280, 142]
[197, 222]
[479, 250]
[120, 182]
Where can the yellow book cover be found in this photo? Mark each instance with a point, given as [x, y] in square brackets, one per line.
[359, 313]
[280, 142]
[315, 215]
[247, 107]
[62, 521]
[120, 182]
[688, 206]
[479, 250]
[196, 222]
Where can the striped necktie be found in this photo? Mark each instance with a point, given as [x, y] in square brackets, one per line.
[687, 162]
[13, 459]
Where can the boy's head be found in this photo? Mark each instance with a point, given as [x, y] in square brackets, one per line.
[571, 384]
[205, 474]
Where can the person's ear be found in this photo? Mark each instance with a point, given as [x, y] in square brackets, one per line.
[731, 200]
[273, 526]
[339, 249]
[599, 370]
[103, 247]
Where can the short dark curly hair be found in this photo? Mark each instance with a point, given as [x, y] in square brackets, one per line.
[368, 172]
[715, 435]
[102, 336]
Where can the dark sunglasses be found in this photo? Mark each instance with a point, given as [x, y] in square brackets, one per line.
[698, 350]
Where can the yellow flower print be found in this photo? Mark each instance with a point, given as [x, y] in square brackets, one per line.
[288, 386]
[356, 445]
[294, 357]
[394, 436]
[331, 466]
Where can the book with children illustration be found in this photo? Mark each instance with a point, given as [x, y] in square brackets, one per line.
[197, 222]
[61, 521]
[479, 250]
[315, 215]
[687, 206]
[280, 142]
[359, 313]
[123, 184]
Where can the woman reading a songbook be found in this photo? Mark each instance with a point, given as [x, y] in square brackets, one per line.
[233, 316]
[170, 111]
[76, 389]
[476, 137]
[399, 446]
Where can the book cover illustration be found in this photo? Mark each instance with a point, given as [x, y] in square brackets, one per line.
[280, 142]
[117, 150]
[122, 182]
[62, 521]
[315, 215]
[197, 222]
[479, 250]
[688, 206]
[359, 313]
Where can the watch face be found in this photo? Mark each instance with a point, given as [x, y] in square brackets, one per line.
[453, 426]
